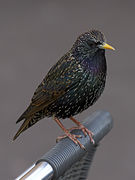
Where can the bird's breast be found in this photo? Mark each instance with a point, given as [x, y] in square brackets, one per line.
[96, 64]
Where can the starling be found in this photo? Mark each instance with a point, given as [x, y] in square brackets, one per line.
[73, 84]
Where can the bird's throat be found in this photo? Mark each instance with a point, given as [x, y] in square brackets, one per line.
[95, 64]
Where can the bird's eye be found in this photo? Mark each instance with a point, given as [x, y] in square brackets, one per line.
[91, 44]
[98, 43]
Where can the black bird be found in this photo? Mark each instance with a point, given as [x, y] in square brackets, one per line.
[73, 84]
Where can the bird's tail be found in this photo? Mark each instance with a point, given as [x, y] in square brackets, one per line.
[25, 114]
[28, 122]
[21, 129]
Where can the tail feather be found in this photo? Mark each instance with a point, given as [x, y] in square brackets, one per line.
[21, 118]
[23, 127]
[26, 124]
[24, 115]
[29, 120]
[30, 111]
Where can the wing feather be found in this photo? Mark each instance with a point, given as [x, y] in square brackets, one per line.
[61, 77]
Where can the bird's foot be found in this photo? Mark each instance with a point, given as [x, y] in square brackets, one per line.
[64, 136]
[73, 137]
[87, 132]
[84, 129]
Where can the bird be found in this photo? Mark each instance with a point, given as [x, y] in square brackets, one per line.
[71, 86]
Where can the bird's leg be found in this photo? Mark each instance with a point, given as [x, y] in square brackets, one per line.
[84, 129]
[68, 134]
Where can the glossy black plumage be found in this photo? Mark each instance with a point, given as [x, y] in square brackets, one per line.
[73, 84]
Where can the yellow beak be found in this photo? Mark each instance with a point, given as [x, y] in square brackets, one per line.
[106, 46]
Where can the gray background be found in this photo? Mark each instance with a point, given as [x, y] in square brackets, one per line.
[33, 36]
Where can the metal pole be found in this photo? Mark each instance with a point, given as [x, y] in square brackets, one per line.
[65, 153]
[42, 170]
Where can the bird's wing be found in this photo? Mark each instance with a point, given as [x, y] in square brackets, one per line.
[61, 77]
[57, 81]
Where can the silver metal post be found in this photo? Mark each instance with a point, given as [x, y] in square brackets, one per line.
[41, 171]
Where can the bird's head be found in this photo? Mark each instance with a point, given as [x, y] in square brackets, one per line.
[87, 44]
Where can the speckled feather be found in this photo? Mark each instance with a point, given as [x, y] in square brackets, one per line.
[73, 84]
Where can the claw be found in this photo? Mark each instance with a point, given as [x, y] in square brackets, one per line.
[64, 136]
[84, 129]
[87, 132]
[73, 137]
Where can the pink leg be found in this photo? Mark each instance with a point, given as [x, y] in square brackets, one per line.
[68, 134]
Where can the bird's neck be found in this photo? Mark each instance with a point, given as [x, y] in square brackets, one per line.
[95, 63]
